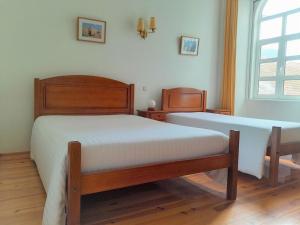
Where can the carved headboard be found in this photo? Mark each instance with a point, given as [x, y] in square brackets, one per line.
[82, 95]
[184, 100]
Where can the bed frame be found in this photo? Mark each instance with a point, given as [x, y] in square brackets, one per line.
[194, 100]
[89, 95]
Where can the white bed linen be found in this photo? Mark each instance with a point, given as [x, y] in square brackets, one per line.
[110, 142]
[254, 134]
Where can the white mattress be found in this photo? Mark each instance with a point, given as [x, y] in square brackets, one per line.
[111, 142]
[254, 136]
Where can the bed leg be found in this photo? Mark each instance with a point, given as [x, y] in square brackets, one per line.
[233, 169]
[274, 156]
[73, 185]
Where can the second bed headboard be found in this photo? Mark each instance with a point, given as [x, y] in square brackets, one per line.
[184, 100]
[82, 95]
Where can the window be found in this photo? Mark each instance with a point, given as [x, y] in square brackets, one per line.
[276, 50]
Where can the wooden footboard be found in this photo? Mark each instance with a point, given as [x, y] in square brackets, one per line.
[277, 149]
[80, 184]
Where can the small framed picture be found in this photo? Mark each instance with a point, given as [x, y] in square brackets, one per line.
[189, 46]
[91, 30]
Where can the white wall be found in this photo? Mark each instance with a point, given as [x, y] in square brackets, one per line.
[38, 39]
[278, 110]
[243, 39]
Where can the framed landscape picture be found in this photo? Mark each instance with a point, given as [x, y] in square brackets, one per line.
[189, 46]
[91, 30]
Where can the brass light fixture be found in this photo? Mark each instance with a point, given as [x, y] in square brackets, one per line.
[142, 29]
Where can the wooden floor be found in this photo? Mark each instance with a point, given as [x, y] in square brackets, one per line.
[193, 200]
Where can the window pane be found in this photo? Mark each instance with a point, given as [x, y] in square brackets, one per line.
[292, 87]
[293, 26]
[267, 87]
[269, 51]
[279, 6]
[268, 69]
[292, 68]
[293, 48]
[271, 28]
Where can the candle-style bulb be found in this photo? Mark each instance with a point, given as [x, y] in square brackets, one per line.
[141, 25]
[152, 25]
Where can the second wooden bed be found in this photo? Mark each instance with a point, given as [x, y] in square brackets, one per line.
[194, 100]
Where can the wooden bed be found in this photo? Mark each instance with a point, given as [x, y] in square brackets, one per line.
[90, 95]
[194, 100]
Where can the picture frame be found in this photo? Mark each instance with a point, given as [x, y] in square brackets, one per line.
[189, 46]
[91, 30]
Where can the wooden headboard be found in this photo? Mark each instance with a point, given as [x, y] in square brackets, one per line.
[183, 100]
[82, 95]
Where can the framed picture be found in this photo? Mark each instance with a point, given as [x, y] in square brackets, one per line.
[189, 46]
[91, 30]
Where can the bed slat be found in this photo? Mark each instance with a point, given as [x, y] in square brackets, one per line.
[98, 182]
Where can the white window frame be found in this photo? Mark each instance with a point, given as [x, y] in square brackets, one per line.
[281, 58]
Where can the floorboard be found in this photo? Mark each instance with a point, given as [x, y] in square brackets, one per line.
[192, 200]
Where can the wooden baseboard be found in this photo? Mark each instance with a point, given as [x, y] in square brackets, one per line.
[15, 155]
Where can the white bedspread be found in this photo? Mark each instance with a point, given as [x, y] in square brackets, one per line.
[110, 142]
[254, 136]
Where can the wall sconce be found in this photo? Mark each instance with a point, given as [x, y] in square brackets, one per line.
[142, 29]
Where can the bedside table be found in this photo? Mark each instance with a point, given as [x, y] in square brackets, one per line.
[219, 111]
[155, 115]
